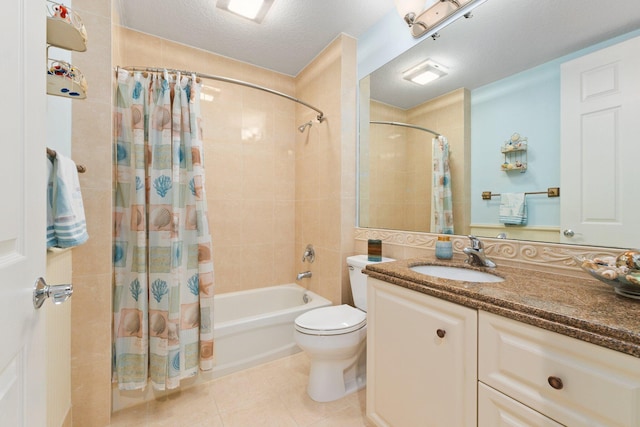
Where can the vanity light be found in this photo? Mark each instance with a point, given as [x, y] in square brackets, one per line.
[425, 72]
[250, 9]
[427, 17]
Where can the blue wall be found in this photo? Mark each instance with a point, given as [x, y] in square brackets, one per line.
[527, 103]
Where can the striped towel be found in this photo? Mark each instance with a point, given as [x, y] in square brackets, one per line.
[66, 225]
[513, 208]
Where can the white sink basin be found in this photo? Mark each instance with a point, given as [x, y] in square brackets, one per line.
[456, 273]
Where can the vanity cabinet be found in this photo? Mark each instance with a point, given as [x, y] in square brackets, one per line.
[568, 380]
[434, 363]
[421, 359]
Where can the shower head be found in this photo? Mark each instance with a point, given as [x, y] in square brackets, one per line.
[302, 127]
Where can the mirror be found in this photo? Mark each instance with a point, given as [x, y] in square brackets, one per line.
[507, 49]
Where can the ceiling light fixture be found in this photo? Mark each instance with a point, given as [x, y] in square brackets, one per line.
[427, 17]
[425, 72]
[254, 10]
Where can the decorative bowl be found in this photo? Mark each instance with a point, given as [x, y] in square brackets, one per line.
[625, 280]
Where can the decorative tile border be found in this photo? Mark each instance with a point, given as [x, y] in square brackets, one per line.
[556, 257]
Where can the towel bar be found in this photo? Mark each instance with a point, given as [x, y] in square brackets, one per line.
[52, 154]
[551, 192]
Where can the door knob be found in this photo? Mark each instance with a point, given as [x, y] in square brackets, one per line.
[568, 232]
[42, 291]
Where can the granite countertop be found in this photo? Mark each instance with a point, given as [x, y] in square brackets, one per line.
[582, 308]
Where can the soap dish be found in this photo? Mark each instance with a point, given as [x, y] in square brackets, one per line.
[625, 281]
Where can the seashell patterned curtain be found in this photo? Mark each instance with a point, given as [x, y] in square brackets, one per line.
[162, 259]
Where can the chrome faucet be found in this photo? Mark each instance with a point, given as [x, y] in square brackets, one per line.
[309, 254]
[475, 254]
[303, 275]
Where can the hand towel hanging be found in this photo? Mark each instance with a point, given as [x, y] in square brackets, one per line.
[513, 208]
[66, 224]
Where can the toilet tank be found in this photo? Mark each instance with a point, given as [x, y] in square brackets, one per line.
[358, 279]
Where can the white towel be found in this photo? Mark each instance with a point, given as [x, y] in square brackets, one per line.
[66, 225]
[513, 208]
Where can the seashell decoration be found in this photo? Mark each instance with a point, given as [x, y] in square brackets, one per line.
[162, 184]
[621, 272]
[633, 278]
[173, 332]
[192, 219]
[193, 284]
[191, 315]
[159, 288]
[629, 259]
[206, 349]
[161, 217]
[131, 323]
[118, 253]
[157, 324]
[609, 274]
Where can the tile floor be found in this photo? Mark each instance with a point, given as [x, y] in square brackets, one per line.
[269, 395]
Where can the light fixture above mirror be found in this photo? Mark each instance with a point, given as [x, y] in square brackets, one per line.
[427, 17]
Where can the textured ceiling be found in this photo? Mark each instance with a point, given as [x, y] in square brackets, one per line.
[291, 35]
[504, 37]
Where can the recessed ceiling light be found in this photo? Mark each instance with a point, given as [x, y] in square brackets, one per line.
[425, 72]
[250, 9]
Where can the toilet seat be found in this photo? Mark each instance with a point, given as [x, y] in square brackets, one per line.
[334, 320]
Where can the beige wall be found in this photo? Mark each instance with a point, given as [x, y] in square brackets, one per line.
[91, 142]
[399, 184]
[325, 169]
[449, 115]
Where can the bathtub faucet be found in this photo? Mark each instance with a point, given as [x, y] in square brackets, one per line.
[303, 275]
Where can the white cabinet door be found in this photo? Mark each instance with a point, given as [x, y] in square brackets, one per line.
[22, 225]
[421, 359]
[600, 107]
[497, 410]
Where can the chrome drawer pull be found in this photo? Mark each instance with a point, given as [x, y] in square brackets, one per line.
[441, 333]
[555, 382]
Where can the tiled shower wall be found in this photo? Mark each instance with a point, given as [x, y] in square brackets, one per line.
[399, 183]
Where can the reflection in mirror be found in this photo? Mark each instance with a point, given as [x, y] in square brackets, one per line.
[503, 78]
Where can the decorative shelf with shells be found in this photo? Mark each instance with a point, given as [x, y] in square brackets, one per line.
[515, 153]
[65, 30]
[65, 80]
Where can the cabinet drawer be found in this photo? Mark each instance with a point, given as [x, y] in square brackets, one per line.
[571, 381]
[496, 409]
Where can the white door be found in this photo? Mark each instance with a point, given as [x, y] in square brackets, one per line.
[600, 149]
[22, 218]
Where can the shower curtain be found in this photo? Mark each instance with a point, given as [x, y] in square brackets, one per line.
[162, 259]
[442, 203]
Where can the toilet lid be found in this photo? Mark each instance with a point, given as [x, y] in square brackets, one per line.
[334, 320]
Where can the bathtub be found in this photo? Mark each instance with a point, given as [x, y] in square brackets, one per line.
[256, 326]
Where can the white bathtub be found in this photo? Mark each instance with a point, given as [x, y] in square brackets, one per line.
[256, 326]
[250, 327]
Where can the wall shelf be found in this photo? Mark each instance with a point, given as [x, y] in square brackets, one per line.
[65, 30]
[515, 154]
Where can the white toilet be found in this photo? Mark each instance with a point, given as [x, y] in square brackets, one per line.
[335, 340]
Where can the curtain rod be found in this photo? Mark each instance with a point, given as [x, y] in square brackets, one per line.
[406, 125]
[320, 116]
